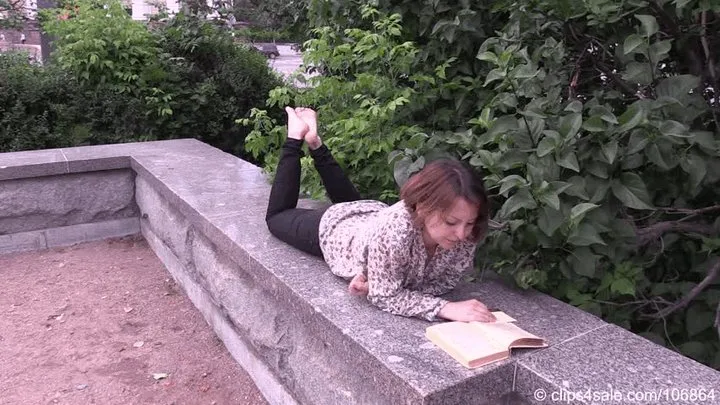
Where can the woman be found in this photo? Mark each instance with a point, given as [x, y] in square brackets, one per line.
[401, 256]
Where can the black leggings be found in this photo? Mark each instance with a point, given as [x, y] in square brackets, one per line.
[299, 227]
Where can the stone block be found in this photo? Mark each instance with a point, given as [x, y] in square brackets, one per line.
[70, 235]
[19, 165]
[54, 201]
[22, 242]
[613, 361]
[165, 221]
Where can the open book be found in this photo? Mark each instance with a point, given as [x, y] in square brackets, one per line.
[476, 344]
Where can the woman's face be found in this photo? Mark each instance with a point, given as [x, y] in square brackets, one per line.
[447, 228]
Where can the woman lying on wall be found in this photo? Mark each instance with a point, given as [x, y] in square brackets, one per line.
[402, 257]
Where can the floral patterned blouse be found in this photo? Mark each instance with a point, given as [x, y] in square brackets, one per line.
[382, 242]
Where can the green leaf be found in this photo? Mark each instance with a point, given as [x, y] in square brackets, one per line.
[583, 261]
[632, 43]
[503, 125]
[577, 188]
[638, 141]
[585, 235]
[550, 199]
[653, 154]
[610, 150]
[546, 146]
[594, 124]
[695, 166]
[575, 106]
[495, 74]
[510, 182]
[631, 191]
[632, 162]
[488, 57]
[519, 200]
[677, 87]
[638, 73]
[549, 220]
[649, 24]
[599, 169]
[631, 118]
[604, 113]
[577, 213]
[623, 286]
[570, 125]
[659, 50]
[674, 128]
[705, 139]
[569, 161]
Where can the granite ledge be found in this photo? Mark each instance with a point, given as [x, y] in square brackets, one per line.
[49, 162]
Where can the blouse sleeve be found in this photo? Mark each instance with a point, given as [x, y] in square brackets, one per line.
[386, 270]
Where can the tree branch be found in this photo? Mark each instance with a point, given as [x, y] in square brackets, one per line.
[684, 301]
[698, 211]
[654, 231]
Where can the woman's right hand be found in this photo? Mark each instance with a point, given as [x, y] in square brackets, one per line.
[466, 311]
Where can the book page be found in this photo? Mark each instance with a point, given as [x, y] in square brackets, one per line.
[462, 341]
[502, 317]
[506, 333]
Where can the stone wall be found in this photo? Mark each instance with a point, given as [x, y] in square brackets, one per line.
[58, 210]
[54, 201]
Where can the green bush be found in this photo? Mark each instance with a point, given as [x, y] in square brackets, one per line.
[29, 112]
[116, 80]
[211, 80]
[596, 125]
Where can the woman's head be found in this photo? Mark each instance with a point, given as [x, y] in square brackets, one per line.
[447, 199]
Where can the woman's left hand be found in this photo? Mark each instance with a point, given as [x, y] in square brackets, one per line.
[358, 285]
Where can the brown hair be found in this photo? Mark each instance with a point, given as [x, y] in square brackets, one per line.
[439, 184]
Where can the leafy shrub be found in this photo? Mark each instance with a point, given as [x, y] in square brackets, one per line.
[117, 80]
[596, 125]
[28, 113]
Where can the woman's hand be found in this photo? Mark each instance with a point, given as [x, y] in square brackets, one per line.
[466, 311]
[358, 285]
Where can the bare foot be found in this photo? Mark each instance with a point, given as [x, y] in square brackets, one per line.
[297, 128]
[309, 116]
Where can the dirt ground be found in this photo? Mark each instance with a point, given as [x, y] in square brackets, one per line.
[103, 323]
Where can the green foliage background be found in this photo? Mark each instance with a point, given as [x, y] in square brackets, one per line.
[113, 79]
[595, 123]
